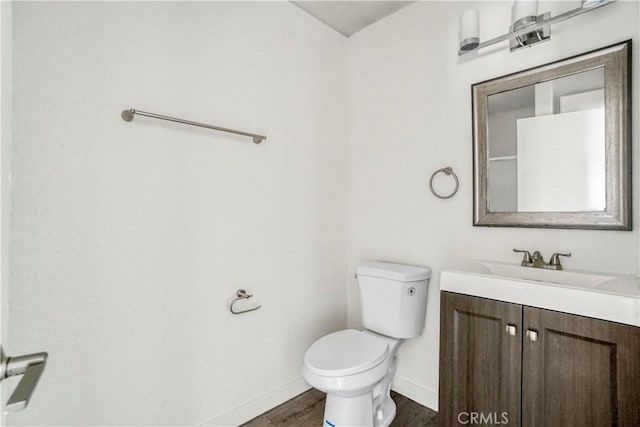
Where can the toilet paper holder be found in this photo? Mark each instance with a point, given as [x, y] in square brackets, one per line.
[240, 295]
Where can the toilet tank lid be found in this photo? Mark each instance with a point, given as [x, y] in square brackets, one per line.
[393, 271]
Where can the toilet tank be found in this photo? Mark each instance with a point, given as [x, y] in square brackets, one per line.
[393, 298]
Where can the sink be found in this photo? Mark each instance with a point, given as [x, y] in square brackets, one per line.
[605, 296]
[561, 277]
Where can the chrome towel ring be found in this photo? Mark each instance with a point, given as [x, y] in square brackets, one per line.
[449, 172]
[241, 294]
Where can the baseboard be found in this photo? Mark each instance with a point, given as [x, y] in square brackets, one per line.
[415, 392]
[259, 405]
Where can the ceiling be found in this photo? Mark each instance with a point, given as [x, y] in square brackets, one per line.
[349, 17]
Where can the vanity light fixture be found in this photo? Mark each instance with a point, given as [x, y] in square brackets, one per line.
[525, 14]
[528, 27]
[469, 30]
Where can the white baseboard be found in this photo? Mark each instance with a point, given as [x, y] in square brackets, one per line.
[416, 392]
[259, 405]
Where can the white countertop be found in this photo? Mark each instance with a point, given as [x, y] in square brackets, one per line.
[593, 294]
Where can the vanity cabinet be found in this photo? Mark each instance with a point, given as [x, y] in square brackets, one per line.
[505, 363]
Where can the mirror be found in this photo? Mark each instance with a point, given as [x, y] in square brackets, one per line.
[552, 144]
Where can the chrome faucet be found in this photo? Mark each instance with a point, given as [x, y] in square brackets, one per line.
[536, 260]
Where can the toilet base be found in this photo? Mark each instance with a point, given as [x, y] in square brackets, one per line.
[348, 411]
[357, 411]
[386, 413]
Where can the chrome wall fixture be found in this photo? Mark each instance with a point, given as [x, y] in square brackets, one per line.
[448, 171]
[528, 29]
[127, 116]
[31, 367]
[241, 294]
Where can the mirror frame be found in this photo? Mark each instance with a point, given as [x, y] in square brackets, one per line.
[616, 61]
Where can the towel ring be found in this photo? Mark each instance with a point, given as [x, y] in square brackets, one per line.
[447, 171]
[242, 294]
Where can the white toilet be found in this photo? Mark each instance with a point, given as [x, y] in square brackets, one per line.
[355, 368]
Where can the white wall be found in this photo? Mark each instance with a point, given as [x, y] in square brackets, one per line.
[410, 114]
[130, 238]
[5, 177]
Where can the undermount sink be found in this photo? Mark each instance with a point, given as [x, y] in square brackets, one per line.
[603, 296]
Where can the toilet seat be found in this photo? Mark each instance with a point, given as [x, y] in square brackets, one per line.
[344, 353]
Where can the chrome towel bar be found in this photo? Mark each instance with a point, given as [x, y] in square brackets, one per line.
[127, 116]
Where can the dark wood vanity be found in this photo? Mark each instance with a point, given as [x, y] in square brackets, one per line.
[506, 363]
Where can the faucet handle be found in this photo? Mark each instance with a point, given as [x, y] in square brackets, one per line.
[554, 262]
[526, 256]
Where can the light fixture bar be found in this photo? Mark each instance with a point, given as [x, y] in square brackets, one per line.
[538, 25]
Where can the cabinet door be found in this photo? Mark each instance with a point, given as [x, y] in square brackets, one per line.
[579, 371]
[480, 361]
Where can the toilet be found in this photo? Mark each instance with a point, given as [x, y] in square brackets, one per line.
[355, 368]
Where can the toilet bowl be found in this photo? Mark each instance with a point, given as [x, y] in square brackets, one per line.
[355, 368]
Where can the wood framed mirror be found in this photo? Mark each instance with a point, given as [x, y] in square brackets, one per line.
[552, 144]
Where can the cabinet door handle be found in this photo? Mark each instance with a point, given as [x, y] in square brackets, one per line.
[532, 335]
[511, 329]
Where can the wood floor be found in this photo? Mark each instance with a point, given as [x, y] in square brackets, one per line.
[307, 410]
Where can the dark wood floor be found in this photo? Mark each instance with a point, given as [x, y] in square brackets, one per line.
[307, 410]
